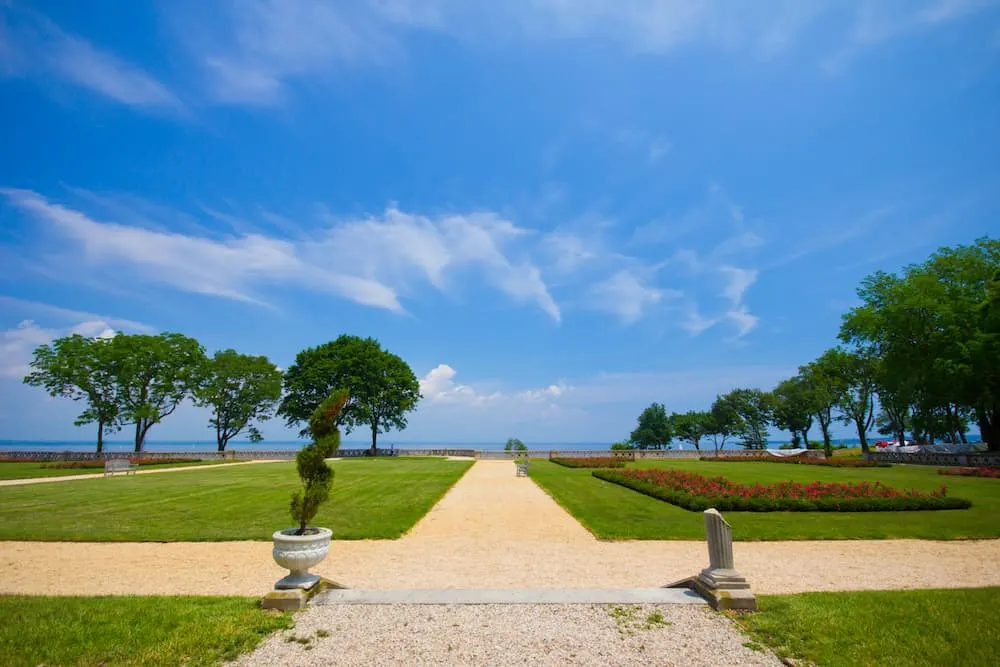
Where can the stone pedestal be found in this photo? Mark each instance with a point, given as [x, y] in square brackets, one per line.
[296, 598]
[720, 583]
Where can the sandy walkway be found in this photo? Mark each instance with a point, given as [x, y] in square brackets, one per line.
[493, 530]
[98, 475]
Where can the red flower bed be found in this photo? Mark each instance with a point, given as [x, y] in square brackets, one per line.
[971, 472]
[808, 461]
[697, 492]
[590, 462]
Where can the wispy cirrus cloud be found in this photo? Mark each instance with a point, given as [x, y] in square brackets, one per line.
[379, 257]
[32, 45]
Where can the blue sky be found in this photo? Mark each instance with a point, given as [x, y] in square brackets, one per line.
[556, 212]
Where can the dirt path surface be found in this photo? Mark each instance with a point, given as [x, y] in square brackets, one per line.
[492, 530]
[98, 475]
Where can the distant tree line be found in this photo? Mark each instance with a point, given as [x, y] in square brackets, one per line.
[136, 381]
[920, 356]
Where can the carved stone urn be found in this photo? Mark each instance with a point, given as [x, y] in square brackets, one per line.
[298, 553]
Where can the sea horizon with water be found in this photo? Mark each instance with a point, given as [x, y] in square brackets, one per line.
[200, 446]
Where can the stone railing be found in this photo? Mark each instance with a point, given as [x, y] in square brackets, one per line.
[977, 459]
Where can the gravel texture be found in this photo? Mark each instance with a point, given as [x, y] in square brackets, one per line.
[492, 530]
[509, 634]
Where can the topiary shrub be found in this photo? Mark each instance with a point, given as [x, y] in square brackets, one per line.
[310, 462]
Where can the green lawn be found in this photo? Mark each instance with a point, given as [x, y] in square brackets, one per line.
[926, 627]
[372, 498]
[131, 630]
[28, 470]
[610, 511]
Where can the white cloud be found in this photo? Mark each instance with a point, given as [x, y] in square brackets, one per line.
[377, 257]
[626, 295]
[38, 46]
[878, 22]
[70, 315]
[438, 386]
[17, 345]
[738, 281]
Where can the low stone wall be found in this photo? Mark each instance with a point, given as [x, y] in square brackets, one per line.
[977, 459]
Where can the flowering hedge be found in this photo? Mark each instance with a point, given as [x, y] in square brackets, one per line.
[590, 462]
[840, 463]
[697, 492]
[971, 472]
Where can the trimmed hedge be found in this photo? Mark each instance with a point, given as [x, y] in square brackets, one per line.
[590, 462]
[740, 503]
[993, 473]
[842, 463]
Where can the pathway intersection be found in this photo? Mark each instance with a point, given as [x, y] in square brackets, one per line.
[492, 530]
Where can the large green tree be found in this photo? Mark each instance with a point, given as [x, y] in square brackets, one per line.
[382, 387]
[514, 445]
[824, 388]
[83, 369]
[692, 426]
[239, 389]
[793, 409]
[153, 375]
[855, 374]
[654, 429]
[932, 343]
[725, 423]
[755, 409]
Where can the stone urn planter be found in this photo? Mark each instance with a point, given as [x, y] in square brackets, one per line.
[298, 553]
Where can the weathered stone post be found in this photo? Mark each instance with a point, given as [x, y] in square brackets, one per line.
[720, 583]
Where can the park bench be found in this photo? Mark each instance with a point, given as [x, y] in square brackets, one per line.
[522, 468]
[111, 466]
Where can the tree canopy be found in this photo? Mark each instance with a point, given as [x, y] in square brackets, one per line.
[239, 389]
[382, 387]
[654, 428]
[82, 369]
[515, 445]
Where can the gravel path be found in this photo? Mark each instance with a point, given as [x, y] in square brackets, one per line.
[99, 475]
[509, 634]
[492, 530]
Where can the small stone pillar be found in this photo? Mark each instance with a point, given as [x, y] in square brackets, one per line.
[720, 583]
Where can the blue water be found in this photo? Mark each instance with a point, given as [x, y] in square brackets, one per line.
[292, 445]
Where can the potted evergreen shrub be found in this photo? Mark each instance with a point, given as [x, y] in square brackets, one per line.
[299, 549]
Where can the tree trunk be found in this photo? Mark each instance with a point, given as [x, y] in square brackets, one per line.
[139, 435]
[862, 438]
[805, 436]
[222, 444]
[100, 436]
[374, 449]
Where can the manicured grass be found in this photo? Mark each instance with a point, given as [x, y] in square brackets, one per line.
[926, 627]
[29, 470]
[372, 498]
[131, 630]
[614, 512]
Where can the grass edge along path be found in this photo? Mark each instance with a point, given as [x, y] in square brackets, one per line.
[918, 627]
[612, 512]
[139, 630]
[372, 498]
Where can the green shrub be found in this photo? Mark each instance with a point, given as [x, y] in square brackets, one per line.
[310, 462]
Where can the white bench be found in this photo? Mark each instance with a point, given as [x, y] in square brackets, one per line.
[111, 466]
[522, 468]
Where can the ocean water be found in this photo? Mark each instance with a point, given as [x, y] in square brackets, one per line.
[292, 445]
